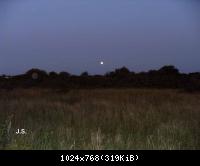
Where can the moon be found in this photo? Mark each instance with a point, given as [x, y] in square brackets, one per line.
[101, 62]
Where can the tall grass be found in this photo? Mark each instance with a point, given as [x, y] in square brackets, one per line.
[100, 119]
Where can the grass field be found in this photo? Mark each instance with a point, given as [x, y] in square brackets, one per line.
[100, 119]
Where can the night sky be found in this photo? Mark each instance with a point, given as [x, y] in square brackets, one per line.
[76, 35]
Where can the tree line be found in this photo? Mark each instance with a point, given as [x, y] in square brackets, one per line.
[165, 77]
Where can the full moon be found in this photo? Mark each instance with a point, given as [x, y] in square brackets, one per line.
[101, 63]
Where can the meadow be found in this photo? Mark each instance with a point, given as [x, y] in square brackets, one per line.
[99, 119]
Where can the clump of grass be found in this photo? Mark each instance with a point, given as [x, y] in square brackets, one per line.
[97, 140]
[5, 129]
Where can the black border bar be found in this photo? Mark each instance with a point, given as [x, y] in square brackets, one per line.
[106, 157]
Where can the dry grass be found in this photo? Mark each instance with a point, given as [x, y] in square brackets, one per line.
[100, 119]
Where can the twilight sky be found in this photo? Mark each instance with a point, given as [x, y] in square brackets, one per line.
[75, 35]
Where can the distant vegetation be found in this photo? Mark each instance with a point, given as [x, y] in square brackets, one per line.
[165, 77]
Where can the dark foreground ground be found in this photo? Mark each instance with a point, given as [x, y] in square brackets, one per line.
[99, 119]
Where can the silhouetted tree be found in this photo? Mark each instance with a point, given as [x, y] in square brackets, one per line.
[36, 74]
[3, 76]
[64, 75]
[152, 72]
[121, 72]
[169, 70]
[193, 84]
[110, 74]
[84, 74]
[53, 74]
